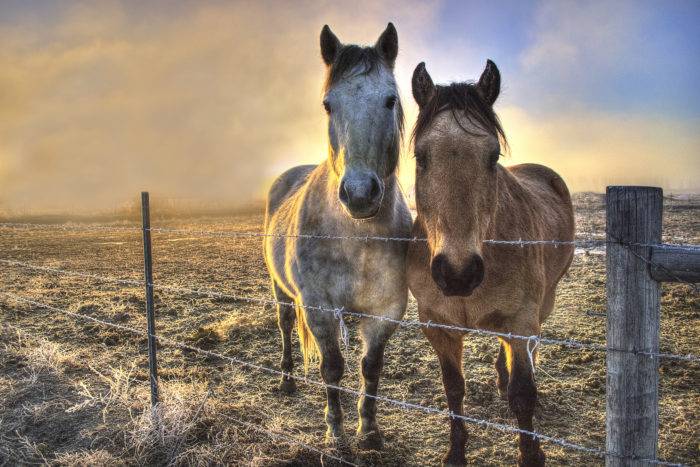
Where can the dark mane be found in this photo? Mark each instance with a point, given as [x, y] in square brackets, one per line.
[356, 60]
[460, 97]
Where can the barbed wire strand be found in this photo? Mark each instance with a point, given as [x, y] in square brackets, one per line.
[585, 239]
[342, 311]
[402, 404]
[69, 227]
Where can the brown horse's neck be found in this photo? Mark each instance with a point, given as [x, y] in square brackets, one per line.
[512, 208]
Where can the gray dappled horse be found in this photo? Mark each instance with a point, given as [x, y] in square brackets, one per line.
[354, 192]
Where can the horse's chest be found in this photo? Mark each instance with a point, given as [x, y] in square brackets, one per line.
[356, 276]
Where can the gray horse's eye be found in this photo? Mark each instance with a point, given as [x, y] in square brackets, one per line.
[390, 102]
[327, 106]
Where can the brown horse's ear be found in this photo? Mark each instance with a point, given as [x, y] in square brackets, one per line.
[489, 85]
[330, 45]
[422, 85]
[388, 45]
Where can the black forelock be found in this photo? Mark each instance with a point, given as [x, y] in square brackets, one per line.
[459, 97]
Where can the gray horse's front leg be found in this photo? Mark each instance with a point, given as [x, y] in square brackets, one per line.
[325, 330]
[286, 310]
[374, 334]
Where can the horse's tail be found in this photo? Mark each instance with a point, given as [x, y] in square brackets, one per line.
[307, 342]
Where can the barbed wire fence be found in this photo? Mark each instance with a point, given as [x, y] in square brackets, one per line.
[592, 241]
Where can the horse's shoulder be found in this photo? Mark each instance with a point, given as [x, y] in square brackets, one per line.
[287, 184]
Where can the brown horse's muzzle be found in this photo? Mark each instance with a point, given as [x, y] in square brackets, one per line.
[457, 281]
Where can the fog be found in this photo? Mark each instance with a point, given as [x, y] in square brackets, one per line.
[209, 101]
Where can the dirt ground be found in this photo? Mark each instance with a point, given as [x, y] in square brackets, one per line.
[73, 392]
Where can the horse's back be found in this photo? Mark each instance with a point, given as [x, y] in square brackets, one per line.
[543, 179]
[285, 186]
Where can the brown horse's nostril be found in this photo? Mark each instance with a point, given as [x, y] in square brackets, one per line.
[440, 269]
[453, 282]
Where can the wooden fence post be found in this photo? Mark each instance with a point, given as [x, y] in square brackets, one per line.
[150, 317]
[633, 304]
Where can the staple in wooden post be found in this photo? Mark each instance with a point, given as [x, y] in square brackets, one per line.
[150, 317]
[633, 304]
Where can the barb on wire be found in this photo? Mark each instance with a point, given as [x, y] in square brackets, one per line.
[399, 403]
[400, 322]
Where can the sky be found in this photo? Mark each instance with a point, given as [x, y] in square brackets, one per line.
[210, 100]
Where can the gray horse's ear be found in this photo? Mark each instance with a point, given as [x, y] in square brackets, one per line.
[388, 44]
[422, 85]
[330, 45]
[489, 85]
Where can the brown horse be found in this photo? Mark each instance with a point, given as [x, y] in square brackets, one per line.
[463, 197]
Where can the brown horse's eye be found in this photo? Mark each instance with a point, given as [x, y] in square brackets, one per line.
[390, 102]
[327, 106]
[421, 160]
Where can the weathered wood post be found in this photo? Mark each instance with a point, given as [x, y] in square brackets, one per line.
[633, 296]
[150, 317]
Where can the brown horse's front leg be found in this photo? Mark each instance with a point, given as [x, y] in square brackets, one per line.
[448, 346]
[522, 398]
[502, 372]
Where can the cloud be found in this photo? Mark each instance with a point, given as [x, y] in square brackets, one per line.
[593, 149]
[199, 100]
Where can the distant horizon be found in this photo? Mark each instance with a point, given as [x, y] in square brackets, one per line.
[166, 207]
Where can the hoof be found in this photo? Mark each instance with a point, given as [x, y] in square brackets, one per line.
[339, 443]
[454, 460]
[532, 460]
[371, 441]
[288, 386]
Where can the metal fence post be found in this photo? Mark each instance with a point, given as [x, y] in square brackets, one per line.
[148, 275]
[633, 304]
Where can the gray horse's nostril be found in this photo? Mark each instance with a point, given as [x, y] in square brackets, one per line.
[375, 190]
[360, 193]
[343, 193]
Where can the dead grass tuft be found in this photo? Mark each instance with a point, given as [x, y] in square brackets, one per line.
[164, 435]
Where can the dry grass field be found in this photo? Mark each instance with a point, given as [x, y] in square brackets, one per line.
[73, 392]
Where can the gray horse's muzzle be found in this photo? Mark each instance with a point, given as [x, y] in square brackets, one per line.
[361, 193]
